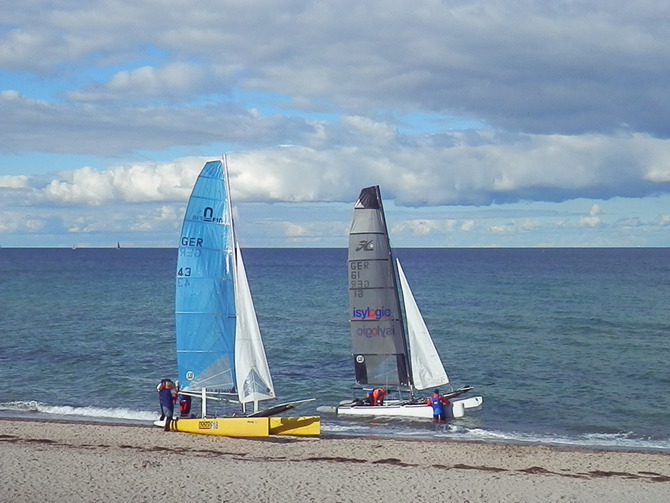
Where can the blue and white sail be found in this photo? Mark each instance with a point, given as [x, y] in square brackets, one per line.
[219, 346]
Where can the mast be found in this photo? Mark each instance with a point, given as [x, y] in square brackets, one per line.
[394, 279]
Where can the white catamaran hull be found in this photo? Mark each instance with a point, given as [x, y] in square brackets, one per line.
[405, 410]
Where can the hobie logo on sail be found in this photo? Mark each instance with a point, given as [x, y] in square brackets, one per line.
[365, 245]
[370, 314]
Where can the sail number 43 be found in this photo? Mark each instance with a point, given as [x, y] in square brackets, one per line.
[184, 271]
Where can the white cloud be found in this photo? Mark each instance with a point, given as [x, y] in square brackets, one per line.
[293, 230]
[568, 105]
[162, 217]
[176, 80]
[13, 221]
[140, 183]
[593, 220]
[419, 227]
[468, 226]
[530, 224]
[414, 174]
[503, 228]
[14, 182]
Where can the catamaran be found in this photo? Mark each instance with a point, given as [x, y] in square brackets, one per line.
[220, 353]
[386, 353]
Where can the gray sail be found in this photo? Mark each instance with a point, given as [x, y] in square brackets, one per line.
[377, 334]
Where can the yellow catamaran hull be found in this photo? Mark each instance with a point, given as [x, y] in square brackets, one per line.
[250, 427]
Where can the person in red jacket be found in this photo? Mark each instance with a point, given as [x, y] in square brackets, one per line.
[376, 396]
[439, 405]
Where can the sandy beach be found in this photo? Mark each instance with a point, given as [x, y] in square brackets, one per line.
[54, 461]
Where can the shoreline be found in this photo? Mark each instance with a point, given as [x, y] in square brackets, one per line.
[80, 461]
[135, 423]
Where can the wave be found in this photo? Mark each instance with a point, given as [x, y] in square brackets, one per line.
[33, 408]
[614, 441]
[605, 441]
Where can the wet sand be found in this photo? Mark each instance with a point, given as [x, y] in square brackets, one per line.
[55, 461]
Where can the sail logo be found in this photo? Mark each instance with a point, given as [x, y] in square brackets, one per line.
[370, 314]
[208, 216]
[365, 245]
[370, 332]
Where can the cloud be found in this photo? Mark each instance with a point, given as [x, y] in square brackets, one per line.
[503, 228]
[443, 104]
[175, 81]
[593, 220]
[293, 230]
[139, 183]
[14, 182]
[420, 227]
[568, 69]
[468, 226]
[552, 91]
[458, 170]
[13, 222]
[31, 125]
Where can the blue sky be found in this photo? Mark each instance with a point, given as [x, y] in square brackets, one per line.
[486, 124]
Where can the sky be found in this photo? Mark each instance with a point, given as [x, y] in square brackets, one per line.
[521, 123]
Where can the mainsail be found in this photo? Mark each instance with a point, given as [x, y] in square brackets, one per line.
[218, 341]
[377, 333]
[384, 352]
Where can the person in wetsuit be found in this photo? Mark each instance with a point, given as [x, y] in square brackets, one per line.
[166, 396]
[439, 405]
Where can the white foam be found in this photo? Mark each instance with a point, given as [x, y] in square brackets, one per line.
[87, 412]
[600, 440]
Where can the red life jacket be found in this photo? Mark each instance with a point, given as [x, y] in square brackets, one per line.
[378, 395]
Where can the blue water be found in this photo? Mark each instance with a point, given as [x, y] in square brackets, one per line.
[567, 346]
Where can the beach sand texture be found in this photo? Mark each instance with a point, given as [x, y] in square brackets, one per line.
[55, 461]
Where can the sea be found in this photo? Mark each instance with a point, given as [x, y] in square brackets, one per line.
[567, 347]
